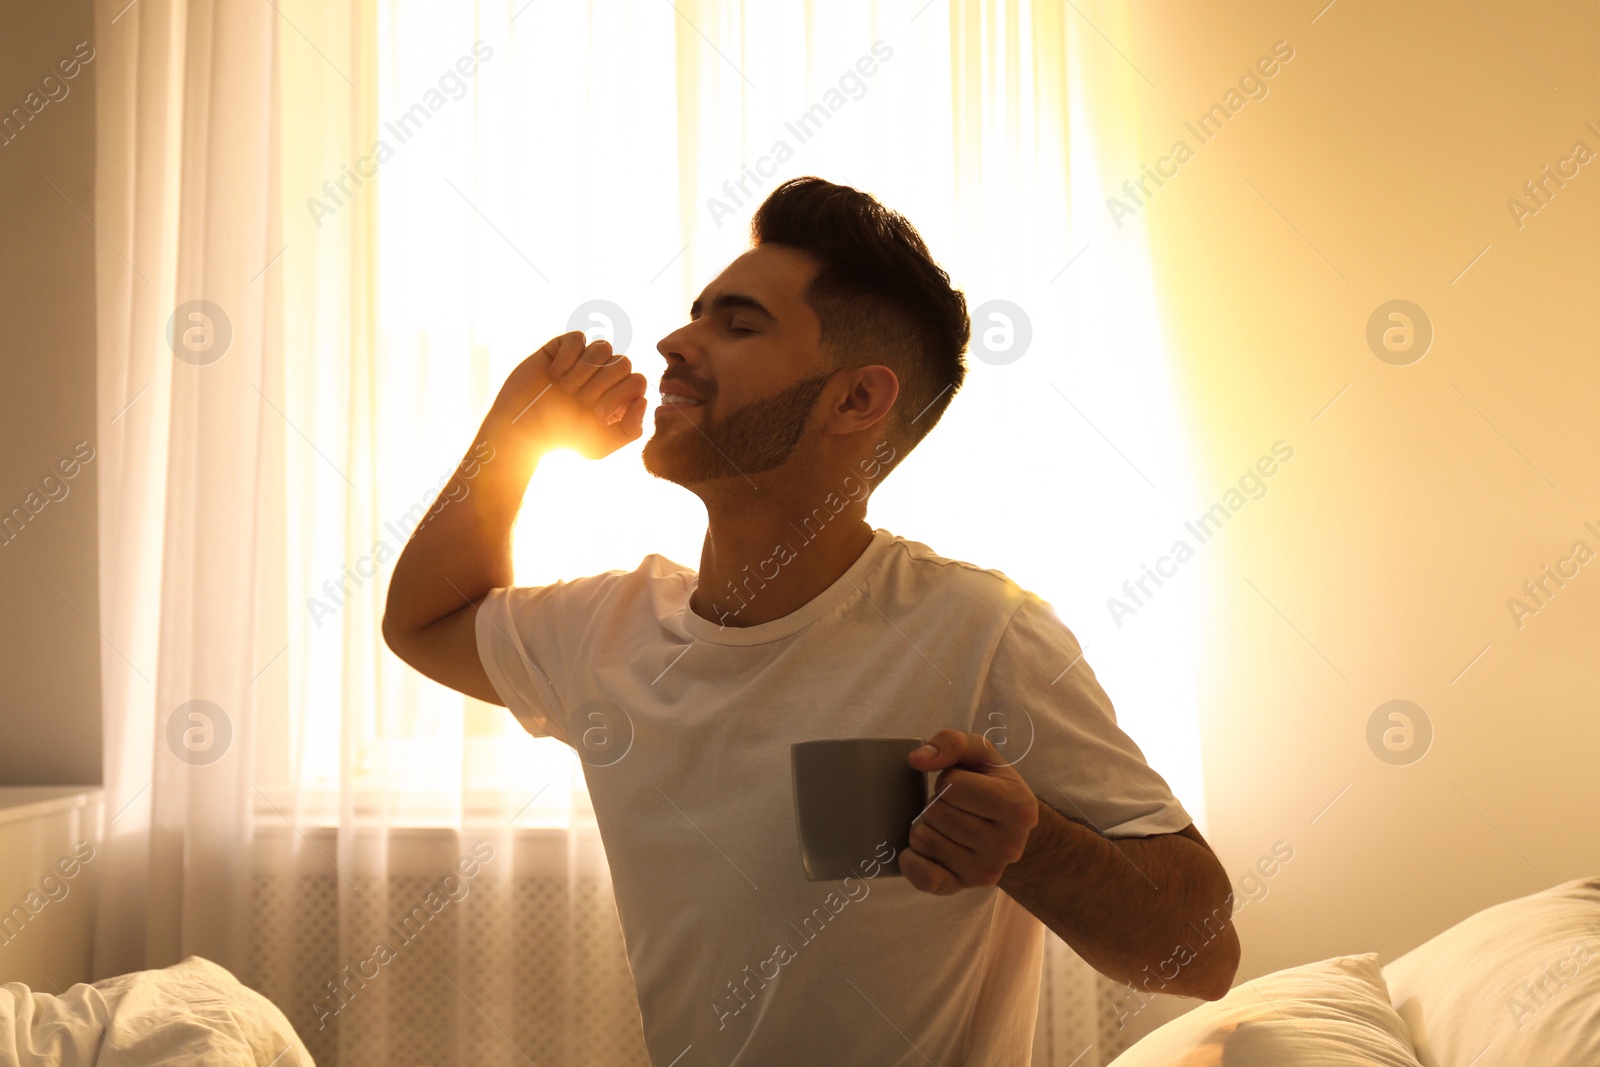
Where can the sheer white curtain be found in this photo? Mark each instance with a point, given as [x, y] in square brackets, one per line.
[388, 206]
[184, 210]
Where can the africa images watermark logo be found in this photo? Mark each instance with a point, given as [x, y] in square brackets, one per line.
[1537, 192]
[803, 128]
[52, 489]
[855, 490]
[1537, 592]
[739, 994]
[1252, 85]
[338, 192]
[451, 488]
[53, 89]
[1203, 527]
[410, 925]
[54, 887]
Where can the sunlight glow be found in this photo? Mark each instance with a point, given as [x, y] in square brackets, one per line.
[1066, 469]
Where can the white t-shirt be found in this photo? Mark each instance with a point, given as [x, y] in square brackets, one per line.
[684, 730]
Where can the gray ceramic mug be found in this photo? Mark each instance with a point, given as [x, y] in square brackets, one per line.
[853, 795]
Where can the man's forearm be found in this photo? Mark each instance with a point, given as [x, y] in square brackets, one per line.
[1151, 912]
[462, 546]
[587, 398]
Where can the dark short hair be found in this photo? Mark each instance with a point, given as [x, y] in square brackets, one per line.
[879, 296]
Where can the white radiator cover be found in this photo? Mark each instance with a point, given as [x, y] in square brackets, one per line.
[536, 950]
[49, 837]
[534, 945]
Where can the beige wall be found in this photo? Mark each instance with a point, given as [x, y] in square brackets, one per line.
[1381, 560]
[49, 651]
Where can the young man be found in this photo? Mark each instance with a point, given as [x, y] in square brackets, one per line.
[807, 370]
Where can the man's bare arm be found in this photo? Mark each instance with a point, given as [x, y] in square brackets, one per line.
[1148, 911]
[567, 394]
[1155, 908]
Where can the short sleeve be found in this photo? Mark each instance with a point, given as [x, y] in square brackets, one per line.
[528, 639]
[1050, 718]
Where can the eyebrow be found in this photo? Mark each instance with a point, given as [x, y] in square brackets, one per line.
[723, 301]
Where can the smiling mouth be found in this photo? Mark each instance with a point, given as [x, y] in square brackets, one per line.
[679, 405]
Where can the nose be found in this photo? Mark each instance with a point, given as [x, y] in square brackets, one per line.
[673, 344]
[667, 345]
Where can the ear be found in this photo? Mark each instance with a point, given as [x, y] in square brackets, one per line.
[870, 393]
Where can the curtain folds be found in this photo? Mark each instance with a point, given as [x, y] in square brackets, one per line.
[329, 231]
[183, 197]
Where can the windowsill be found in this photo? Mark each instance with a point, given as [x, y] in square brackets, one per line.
[479, 810]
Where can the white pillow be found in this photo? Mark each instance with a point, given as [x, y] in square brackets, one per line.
[1514, 985]
[1333, 1013]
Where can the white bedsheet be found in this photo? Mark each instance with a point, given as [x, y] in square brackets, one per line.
[186, 1015]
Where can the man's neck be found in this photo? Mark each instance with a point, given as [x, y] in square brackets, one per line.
[756, 567]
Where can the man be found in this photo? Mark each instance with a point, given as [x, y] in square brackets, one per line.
[807, 370]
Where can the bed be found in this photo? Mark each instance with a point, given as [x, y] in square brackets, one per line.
[190, 1014]
[1515, 985]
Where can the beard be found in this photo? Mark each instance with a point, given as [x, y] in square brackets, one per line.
[757, 437]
